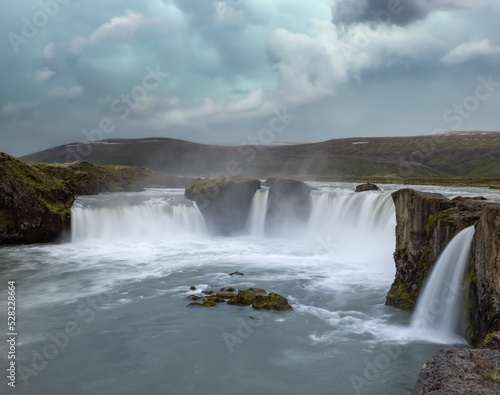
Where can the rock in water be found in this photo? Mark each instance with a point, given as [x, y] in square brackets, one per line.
[271, 302]
[225, 202]
[367, 187]
[236, 274]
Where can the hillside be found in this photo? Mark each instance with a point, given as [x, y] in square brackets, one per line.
[470, 155]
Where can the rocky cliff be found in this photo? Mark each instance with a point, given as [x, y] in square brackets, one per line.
[225, 202]
[426, 222]
[484, 276]
[34, 206]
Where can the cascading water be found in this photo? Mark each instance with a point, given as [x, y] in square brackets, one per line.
[257, 216]
[439, 314]
[134, 217]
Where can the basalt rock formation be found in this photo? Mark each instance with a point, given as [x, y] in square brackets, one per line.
[224, 202]
[425, 224]
[484, 276]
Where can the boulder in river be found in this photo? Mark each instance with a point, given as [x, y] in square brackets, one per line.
[224, 202]
[367, 187]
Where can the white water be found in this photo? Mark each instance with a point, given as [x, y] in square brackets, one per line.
[257, 216]
[440, 313]
[130, 217]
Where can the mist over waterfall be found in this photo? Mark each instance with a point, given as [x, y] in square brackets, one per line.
[134, 217]
[440, 308]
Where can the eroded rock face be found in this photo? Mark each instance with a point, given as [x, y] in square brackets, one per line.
[224, 203]
[484, 276]
[426, 222]
[460, 371]
[34, 207]
[289, 202]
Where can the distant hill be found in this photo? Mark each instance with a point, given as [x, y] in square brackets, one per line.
[474, 155]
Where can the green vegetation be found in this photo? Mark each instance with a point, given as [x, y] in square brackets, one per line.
[402, 298]
[494, 376]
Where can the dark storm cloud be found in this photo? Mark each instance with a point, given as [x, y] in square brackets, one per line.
[398, 12]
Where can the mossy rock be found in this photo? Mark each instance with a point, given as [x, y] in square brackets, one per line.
[227, 289]
[244, 298]
[225, 295]
[271, 302]
[491, 341]
[205, 303]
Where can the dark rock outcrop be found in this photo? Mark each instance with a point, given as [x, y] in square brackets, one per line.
[426, 222]
[460, 371]
[367, 187]
[484, 276]
[225, 202]
[289, 202]
[34, 207]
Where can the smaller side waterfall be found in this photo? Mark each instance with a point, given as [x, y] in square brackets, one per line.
[257, 216]
[440, 310]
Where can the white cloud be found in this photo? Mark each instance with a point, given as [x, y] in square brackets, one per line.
[121, 28]
[48, 51]
[42, 74]
[118, 29]
[468, 51]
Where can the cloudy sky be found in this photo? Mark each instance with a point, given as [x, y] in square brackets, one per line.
[219, 71]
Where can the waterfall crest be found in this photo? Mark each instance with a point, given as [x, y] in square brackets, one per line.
[134, 217]
[440, 307]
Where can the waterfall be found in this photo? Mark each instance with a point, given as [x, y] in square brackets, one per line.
[440, 310]
[358, 226]
[257, 215]
[136, 217]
